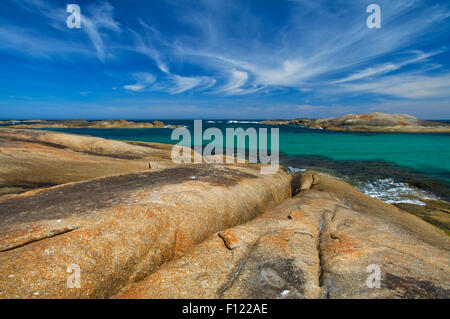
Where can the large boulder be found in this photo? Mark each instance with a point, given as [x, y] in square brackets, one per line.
[272, 256]
[304, 181]
[119, 229]
[326, 242]
[33, 159]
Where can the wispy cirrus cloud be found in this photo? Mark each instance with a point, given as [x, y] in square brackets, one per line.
[143, 80]
[405, 86]
[304, 52]
[96, 17]
[185, 83]
[388, 67]
[237, 84]
[100, 18]
[306, 61]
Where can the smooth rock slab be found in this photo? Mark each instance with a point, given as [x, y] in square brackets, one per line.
[318, 244]
[119, 229]
[31, 159]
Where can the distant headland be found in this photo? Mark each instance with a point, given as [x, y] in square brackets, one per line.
[78, 123]
[372, 122]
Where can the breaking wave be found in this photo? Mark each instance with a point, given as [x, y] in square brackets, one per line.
[393, 192]
[387, 189]
[243, 122]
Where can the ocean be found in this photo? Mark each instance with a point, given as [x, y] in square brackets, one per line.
[394, 167]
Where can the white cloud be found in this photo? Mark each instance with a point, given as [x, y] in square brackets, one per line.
[36, 45]
[143, 79]
[95, 17]
[184, 83]
[290, 73]
[378, 70]
[387, 67]
[236, 81]
[312, 48]
[134, 87]
[316, 45]
[405, 86]
[101, 17]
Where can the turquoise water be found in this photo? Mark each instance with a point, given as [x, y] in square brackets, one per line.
[375, 162]
[428, 153]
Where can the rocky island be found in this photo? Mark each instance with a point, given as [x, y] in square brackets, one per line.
[106, 124]
[371, 122]
[139, 226]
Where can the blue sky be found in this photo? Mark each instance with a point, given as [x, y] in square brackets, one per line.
[223, 59]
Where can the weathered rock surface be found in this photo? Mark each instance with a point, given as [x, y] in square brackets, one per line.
[436, 212]
[32, 159]
[119, 229]
[372, 122]
[151, 229]
[318, 244]
[106, 124]
[272, 256]
[301, 182]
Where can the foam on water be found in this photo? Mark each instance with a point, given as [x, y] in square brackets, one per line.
[242, 122]
[293, 170]
[393, 192]
[383, 165]
[385, 189]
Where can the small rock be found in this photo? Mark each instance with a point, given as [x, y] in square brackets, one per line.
[306, 181]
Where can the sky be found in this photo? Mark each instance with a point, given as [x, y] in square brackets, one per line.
[223, 59]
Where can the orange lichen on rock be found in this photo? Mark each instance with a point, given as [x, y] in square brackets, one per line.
[323, 254]
[343, 244]
[119, 229]
[198, 231]
[296, 214]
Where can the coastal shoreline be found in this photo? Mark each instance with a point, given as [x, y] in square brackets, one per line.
[132, 221]
[104, 124]
[372, 122]
[97, 157]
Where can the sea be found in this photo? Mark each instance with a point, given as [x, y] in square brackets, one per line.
[393, 167]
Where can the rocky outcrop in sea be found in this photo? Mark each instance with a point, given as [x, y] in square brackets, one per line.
[372, 122]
